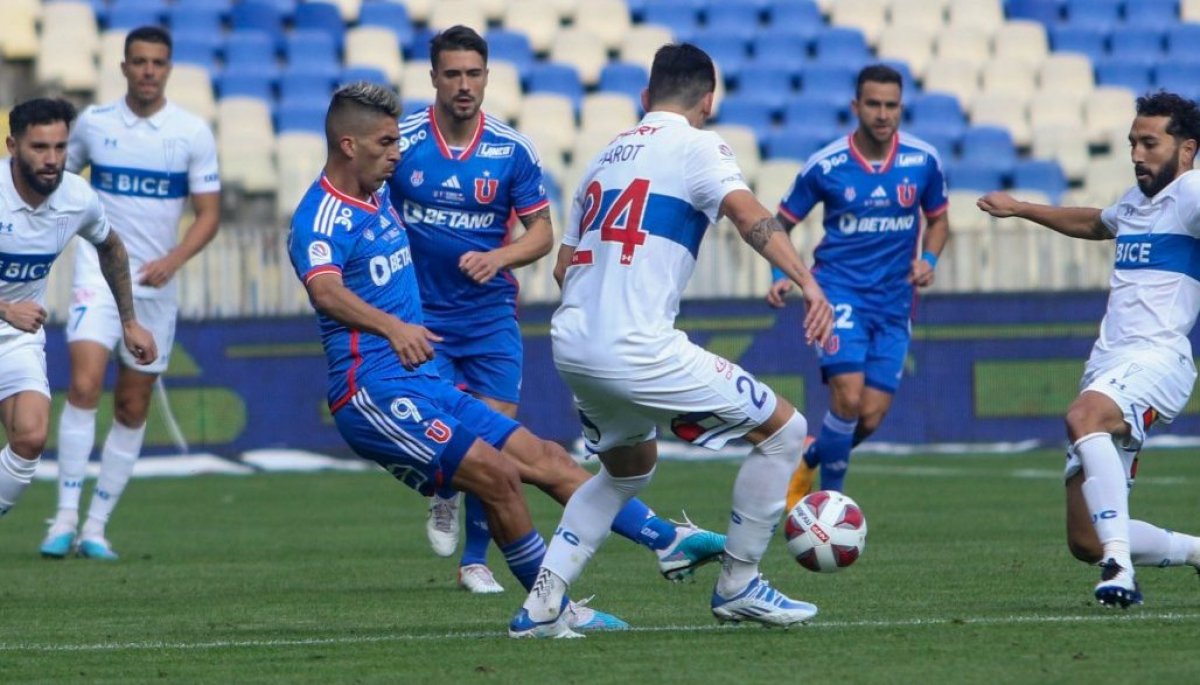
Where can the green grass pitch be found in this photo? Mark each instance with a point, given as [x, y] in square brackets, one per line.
[327, 578]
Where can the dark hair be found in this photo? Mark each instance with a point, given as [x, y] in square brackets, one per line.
[149, 34]
[681, 73]
[353, 100]
[1185, 115]
[457, 37]
[39, 111]
[877, 73]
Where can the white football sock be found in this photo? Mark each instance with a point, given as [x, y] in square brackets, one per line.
[76, 437]
[1106, 492]
[545, 597]
[587, 521]
[15, 474]
[759, 498]
[1150, 545]
[120, 452]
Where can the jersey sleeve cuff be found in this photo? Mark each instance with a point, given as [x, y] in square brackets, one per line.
[525, 211]
[933, 213]
[317, 271]
[788, 215]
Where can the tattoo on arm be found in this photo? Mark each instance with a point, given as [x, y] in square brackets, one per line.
[760, 234]
[532, 218]
[114, 264]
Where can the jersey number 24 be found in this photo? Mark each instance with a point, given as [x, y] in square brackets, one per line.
[622, 223]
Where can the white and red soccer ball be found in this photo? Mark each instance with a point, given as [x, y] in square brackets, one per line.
[826, 531]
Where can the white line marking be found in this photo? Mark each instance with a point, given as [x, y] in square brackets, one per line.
[492, 634]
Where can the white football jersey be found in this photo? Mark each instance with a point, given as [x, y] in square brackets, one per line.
[144, 170]
[31, 239]
[636, 224]
[1155, 285]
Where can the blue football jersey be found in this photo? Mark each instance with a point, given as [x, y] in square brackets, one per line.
[367, 244]
[872, 216]
[460, 200]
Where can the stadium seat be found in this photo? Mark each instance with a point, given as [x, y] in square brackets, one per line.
[512, 47]
[944, 140]
[1182, 39]
[18, 31]
[1179, 77]
[607, 113]
[831, 81]
[305, 114]
[730, 51]
[734, 17]
[1042, 175]
[321, 16]
[418, 10]
[1066, 73]
[979, 176]
[503, 91]
[985, 15]
[744, 142]
[911, 45]
[747, 111]
[1065, 144]
[354, 74]
[1013, 78]
[190, 87]
[966, 44]
[447, 13]
[259, 16]
[780, 50]
[936, 110]
[606, 19]
[867, 16]
[582, 50]
[681, 17]
[624, 77]
[1108, 177]
[797, 143]
[199, 48]
[588, 143]
[1003, 110]
[552, 77]
[923, 14]
[1136, 75]
[767, 85]
[795, 15]
[1138, 45]
[1089, 40]
[1107, 110]
[774, 178]
[1105, 13]
[250, 49]
[535, 19]
[252, 85]
[298, 82]
[842, 45]
[1055, 108]
[816, 111]
[375, 46]
[112, 50]
[349, 9]
[990, 144]
[416, 85]
[1047, 12]
[551, 115]
[392, 16]
[311, 48]
[129, 16]
[300, 155]
[1025, 41]
[959, 78]
[642, 42]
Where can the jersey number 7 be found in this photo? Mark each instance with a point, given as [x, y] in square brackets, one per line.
[622, 223]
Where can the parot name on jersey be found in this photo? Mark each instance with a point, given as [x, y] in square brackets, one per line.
[875, 224]
[16, 268]
[453, 218]
[621, 153]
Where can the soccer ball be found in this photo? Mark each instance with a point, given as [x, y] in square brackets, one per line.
[826, 531]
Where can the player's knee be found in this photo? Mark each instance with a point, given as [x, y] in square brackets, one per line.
[85, 392]
[28, 438]
[503, 482]
[1085, 417]
[787, 443]
[130, 411]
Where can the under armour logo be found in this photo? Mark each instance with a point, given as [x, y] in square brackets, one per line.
[6, 228]
[1113, 381]
[110, 142]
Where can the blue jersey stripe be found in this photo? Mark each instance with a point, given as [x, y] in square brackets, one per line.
[161, 185]
[1172, 252]
[664, 216]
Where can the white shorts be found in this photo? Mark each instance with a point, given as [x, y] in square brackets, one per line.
[702, 398]
[1150, 387]
[94, 317]
[23, 366]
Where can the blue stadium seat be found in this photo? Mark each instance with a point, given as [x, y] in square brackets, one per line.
[1100, 13]
[1046, 11]
[201, 48]
[361, 73]
[843, 45]
[815, 112]
[257, 15]
[130, 16]
[747, 111]
[309, 47]
[768, 85]
[729, 50]
[410, 105]
[936, 110]
[835, 81]
[1178, 76]
[558, 78]
[196, 17]
[1182, 39]
[303, 115]
[1141, 44]
[249, 48]
[321, 16]
[989, 144]
[908, 83]
[736, 17]
[418, 48]
[1134, 74]
[783, 49]
[624, 77]
[681, 16]
[944, 140]
[512, 47]
[797, 143]
[795, 15]
[259, 86]
[389, 15]
[979, 176]
[300, 83]
[1040, 174]
[1088, 40]
[1151, 12]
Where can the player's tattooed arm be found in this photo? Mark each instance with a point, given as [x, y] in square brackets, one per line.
[760, 233]
[114, 264]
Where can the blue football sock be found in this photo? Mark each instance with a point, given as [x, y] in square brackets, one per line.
[478, 536]
[833, 447]
[524, 557]
[638, 523]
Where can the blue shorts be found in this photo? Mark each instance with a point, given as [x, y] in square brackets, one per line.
[418, 429]
[483, 360]
[866, 343]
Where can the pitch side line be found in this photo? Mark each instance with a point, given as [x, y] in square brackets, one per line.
[490, 634]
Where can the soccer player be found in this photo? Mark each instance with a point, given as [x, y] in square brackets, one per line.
[351, 250]
[147, 157]
[1140, 371]
[462, 174]
[875, 183]
[639, 215]
[41, 208]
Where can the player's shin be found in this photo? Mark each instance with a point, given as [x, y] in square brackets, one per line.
[1106, 493]
[478, 535]
[76, 436]
[15, 474]
[759, 495]
[117, 457]
[833, 446]
[639, 523]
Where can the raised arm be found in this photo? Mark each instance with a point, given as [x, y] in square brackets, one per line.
[766, 235]
[331, 297]
[1076, 222]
